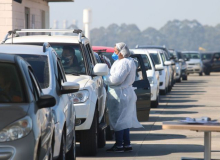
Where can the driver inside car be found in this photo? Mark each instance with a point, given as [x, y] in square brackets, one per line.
[7, 93]
[69, 59]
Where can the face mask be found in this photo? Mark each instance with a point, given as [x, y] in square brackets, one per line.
[66, 60]
[114, 56]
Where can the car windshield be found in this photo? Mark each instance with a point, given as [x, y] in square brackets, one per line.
[71, 58]
[192, 55]
[11, 90]
[163, 57]
[206, 56]
[39, 64]
[146, 61]
[108, 55]
[155, 58]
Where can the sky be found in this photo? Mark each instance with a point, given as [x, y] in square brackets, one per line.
[143, 13]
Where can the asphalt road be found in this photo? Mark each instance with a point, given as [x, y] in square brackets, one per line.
[197, 97]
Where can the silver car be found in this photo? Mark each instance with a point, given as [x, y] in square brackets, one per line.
[26, 120]
[51, 76]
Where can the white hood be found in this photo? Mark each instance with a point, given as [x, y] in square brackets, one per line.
[81, 80]
[193, 61]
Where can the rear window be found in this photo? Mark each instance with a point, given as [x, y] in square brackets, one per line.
[192, 55]
[206, 56]
[155, 58]
[11, 90]
[39, 63]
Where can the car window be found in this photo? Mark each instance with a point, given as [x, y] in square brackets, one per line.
[192, 55]
[139, 74]
[61, 76]
[11, 90]
[163, 57]
[206, 56]
[155, 57]
[217, 57]
[36, 88]
[40, 66]
[146, 61]
[71, 57]
[108, 55]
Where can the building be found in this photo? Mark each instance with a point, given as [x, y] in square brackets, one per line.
[17, 14]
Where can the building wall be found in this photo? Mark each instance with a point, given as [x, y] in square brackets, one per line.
[5, 17]
[12, 15]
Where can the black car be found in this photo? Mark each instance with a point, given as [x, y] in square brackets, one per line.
[211, 62]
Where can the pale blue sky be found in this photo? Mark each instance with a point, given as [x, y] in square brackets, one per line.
[143, 13]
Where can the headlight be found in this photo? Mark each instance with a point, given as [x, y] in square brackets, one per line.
[81, 96]
[151, 80]
[16, 130]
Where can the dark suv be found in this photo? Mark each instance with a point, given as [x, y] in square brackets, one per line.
[211, 62]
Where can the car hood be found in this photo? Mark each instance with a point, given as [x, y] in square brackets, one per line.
[206, 61]
[193, 61]
[81, 80]
[9, 113]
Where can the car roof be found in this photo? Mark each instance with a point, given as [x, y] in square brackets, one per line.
[7, 58]
[190, 52]
[22, 49]
[209, 52]
[45, 38]
[151, 46]
[108, 49]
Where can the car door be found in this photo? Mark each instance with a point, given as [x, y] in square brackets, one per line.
[97, 79]
[45, 117]
[143, 90]
[216, 62]
[66, 102]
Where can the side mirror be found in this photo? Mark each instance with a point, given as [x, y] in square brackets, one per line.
[180, 60]
[167, 63]
[46, 101]
[69, 87]
[159, 67]
[101, 69]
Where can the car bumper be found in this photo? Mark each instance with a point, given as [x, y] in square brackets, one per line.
[84, 113]
[153, 92]
[21, 149]
[194, 69]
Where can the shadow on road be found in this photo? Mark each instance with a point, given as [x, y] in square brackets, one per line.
[173, 112]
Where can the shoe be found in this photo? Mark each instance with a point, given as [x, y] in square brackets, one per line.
[128, 149]
[115, 149]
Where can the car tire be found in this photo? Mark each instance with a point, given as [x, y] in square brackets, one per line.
[185, 78]
[71, 155]
[163, 92]
[154, 104]
[89, 138]
[169, 88]
[109, 133]
[200, 74]
[62, 155]
[102, 134]
[207, 73]
[178, 80]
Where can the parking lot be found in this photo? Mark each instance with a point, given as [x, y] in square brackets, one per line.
[199, 96]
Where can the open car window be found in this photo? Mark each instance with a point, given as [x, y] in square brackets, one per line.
[11, 90]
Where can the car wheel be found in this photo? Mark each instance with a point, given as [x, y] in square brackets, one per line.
[178, 80]
[207, 73]
[102, 135]
[184, 78]
[163, 92]
[89, 138]
[71, 155]
[62, 155]
[200, 74]
[154, 104]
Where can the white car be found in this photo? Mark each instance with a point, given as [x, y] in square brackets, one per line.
[152, 75]
[165, 76]
[90, 101]
[195, 64]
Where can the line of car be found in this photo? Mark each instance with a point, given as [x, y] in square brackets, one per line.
[60, 95]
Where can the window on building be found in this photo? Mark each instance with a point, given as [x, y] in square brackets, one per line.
[43, 25]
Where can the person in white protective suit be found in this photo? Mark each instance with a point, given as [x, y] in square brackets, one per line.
[121, 98]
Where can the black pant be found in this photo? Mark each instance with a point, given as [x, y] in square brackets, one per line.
[122, 137]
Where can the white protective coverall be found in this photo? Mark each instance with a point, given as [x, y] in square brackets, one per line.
[121, 98]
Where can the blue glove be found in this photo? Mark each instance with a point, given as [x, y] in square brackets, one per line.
[104, 78]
